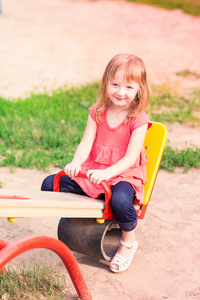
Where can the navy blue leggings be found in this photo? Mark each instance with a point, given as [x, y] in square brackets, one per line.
[121, 201]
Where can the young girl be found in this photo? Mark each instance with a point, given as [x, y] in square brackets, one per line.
[112, 149]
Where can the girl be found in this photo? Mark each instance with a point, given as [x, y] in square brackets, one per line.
[112, 149]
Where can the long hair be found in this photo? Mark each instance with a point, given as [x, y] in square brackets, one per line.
[134, 70]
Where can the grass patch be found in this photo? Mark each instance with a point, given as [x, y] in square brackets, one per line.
[187, 73]
[168, 107]
[187, 158]
[44, 130]
[188, 6]
[36, 280]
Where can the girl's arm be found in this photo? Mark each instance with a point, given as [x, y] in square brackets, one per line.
[83, 150]
[133, 151]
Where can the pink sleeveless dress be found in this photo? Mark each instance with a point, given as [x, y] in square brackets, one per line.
[109, 147]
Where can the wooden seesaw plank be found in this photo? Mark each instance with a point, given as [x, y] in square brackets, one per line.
[48, 204]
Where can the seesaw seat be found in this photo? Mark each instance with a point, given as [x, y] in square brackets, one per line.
[48, 204]
[88, 237]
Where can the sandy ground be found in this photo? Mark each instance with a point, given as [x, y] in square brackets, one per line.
[47, 44]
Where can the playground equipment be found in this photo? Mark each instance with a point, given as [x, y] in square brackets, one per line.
[10, 250]
[85, 235]
[86, 225]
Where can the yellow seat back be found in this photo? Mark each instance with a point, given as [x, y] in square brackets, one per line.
[154, 146]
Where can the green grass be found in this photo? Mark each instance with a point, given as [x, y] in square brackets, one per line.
[187, 73]
[36, 280]
[186, 158]
[44, 130]
[188, 6]
[168, 107]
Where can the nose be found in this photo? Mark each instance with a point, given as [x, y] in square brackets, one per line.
[121, 91]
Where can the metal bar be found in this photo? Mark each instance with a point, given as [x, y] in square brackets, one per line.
[108, 215]
[13, 249]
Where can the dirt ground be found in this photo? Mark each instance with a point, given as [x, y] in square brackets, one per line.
[47, 44]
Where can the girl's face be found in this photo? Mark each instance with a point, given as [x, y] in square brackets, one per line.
[120, 92]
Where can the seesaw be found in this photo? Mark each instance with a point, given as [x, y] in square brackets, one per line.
[80, 216]
[86, 225]
[16, 203]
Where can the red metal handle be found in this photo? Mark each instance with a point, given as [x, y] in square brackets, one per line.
[10, 250]
[108, 194]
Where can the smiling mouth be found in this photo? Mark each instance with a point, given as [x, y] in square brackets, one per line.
[120, 99]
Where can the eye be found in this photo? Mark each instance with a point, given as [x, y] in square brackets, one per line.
[114, 84]
[129, 87]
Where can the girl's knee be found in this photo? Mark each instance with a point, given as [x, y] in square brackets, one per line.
[120, 202]
[122, 205]
[47, 184]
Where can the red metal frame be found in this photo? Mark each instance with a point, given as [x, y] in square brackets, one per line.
[10, 250]
[107, 215]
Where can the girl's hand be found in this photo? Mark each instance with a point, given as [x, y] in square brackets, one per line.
[97, 176]
[72, 169]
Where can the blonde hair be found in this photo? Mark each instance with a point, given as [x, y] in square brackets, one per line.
[134, 70]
